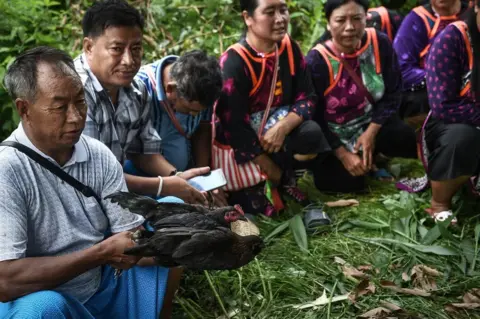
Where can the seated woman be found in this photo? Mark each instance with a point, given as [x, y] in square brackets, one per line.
[451, 141]
[355, 74]
[249, 70]
[412, 44]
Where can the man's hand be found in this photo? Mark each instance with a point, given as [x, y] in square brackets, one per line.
[219, 197]
[115, 247]
[178, 186]
[352, 162]
[194, 172]
[272, 141]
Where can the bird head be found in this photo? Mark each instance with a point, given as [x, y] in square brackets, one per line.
[235, 214]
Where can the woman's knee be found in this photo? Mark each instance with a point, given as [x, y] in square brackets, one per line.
[463, 138]
[42, 304]
[308, 140]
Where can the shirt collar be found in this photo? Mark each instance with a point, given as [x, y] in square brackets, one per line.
[79, 151]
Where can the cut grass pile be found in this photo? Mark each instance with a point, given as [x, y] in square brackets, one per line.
[362, 262]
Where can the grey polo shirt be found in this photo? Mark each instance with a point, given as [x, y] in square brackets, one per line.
[43, 216]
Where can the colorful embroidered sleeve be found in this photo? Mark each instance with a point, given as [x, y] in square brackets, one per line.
[445, 67]
[304, 102]
[320, 79]
[390, 102]
[233, 110]
[409, 42]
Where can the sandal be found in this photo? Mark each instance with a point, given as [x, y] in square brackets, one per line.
[443, 216]
[382, 174]
[314, 218]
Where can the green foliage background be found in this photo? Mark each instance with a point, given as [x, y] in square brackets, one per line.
[173, 26]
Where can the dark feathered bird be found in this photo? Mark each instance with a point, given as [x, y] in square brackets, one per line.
[176, 214]
[186, 235]
[198, 249]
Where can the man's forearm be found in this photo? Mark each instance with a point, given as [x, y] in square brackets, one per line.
[201, 145]
[27, 275]
[152, 164]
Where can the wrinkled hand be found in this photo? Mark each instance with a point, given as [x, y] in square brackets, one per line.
[115, 247]
[353, 164]
[219, 197]
[367, 142]
[194, 172]
[179, 187]
[272, 141]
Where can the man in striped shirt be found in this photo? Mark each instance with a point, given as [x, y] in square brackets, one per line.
[119, 107]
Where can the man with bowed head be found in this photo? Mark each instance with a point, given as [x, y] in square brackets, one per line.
[55, 258]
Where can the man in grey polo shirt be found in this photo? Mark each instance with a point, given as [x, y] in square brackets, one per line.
[54, 259]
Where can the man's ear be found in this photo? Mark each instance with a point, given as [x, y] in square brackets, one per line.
[22, 108]
[171, 90]
[87, 45]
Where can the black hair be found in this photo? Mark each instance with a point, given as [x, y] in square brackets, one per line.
[330, 6]
[471, 21]
[21, 77]
[198, 77]
[110, 13]
[248, 5]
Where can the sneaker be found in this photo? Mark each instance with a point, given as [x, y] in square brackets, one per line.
[294, 192]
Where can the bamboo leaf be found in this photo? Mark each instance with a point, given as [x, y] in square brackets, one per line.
[299, 233]
[432, 235]
[368, 225]
[433, 249]
[281, 228]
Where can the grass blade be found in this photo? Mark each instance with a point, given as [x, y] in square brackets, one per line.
[299, 233]
[477, 234]
[277, 230]
[433, 249]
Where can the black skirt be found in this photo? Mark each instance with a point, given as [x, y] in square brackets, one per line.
[454, 150]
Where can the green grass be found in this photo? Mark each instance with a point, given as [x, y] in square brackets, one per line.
[385, 231]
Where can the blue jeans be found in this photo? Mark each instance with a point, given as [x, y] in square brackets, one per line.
[137, 293]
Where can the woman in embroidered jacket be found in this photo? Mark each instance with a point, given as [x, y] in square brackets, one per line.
[452, 130]
[357, 124]
[412, 44]
[248, 68]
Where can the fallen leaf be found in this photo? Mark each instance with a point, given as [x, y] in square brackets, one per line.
[416, 292]
[423, 277]
[473, 296]
[466, 305]
[339, 260]
[350, 271]
[363, 288]
[343, 203]
[321, 301]
[389, 305]
[365, 267]
[471, 300]
[376, 313]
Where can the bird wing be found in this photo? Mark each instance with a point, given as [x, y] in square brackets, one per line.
[205, 241]
[193, 220]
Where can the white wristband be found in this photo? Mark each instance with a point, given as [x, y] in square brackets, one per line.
[160, 186]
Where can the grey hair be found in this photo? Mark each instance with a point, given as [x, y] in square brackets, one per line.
[198, 77]
[21, 77]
